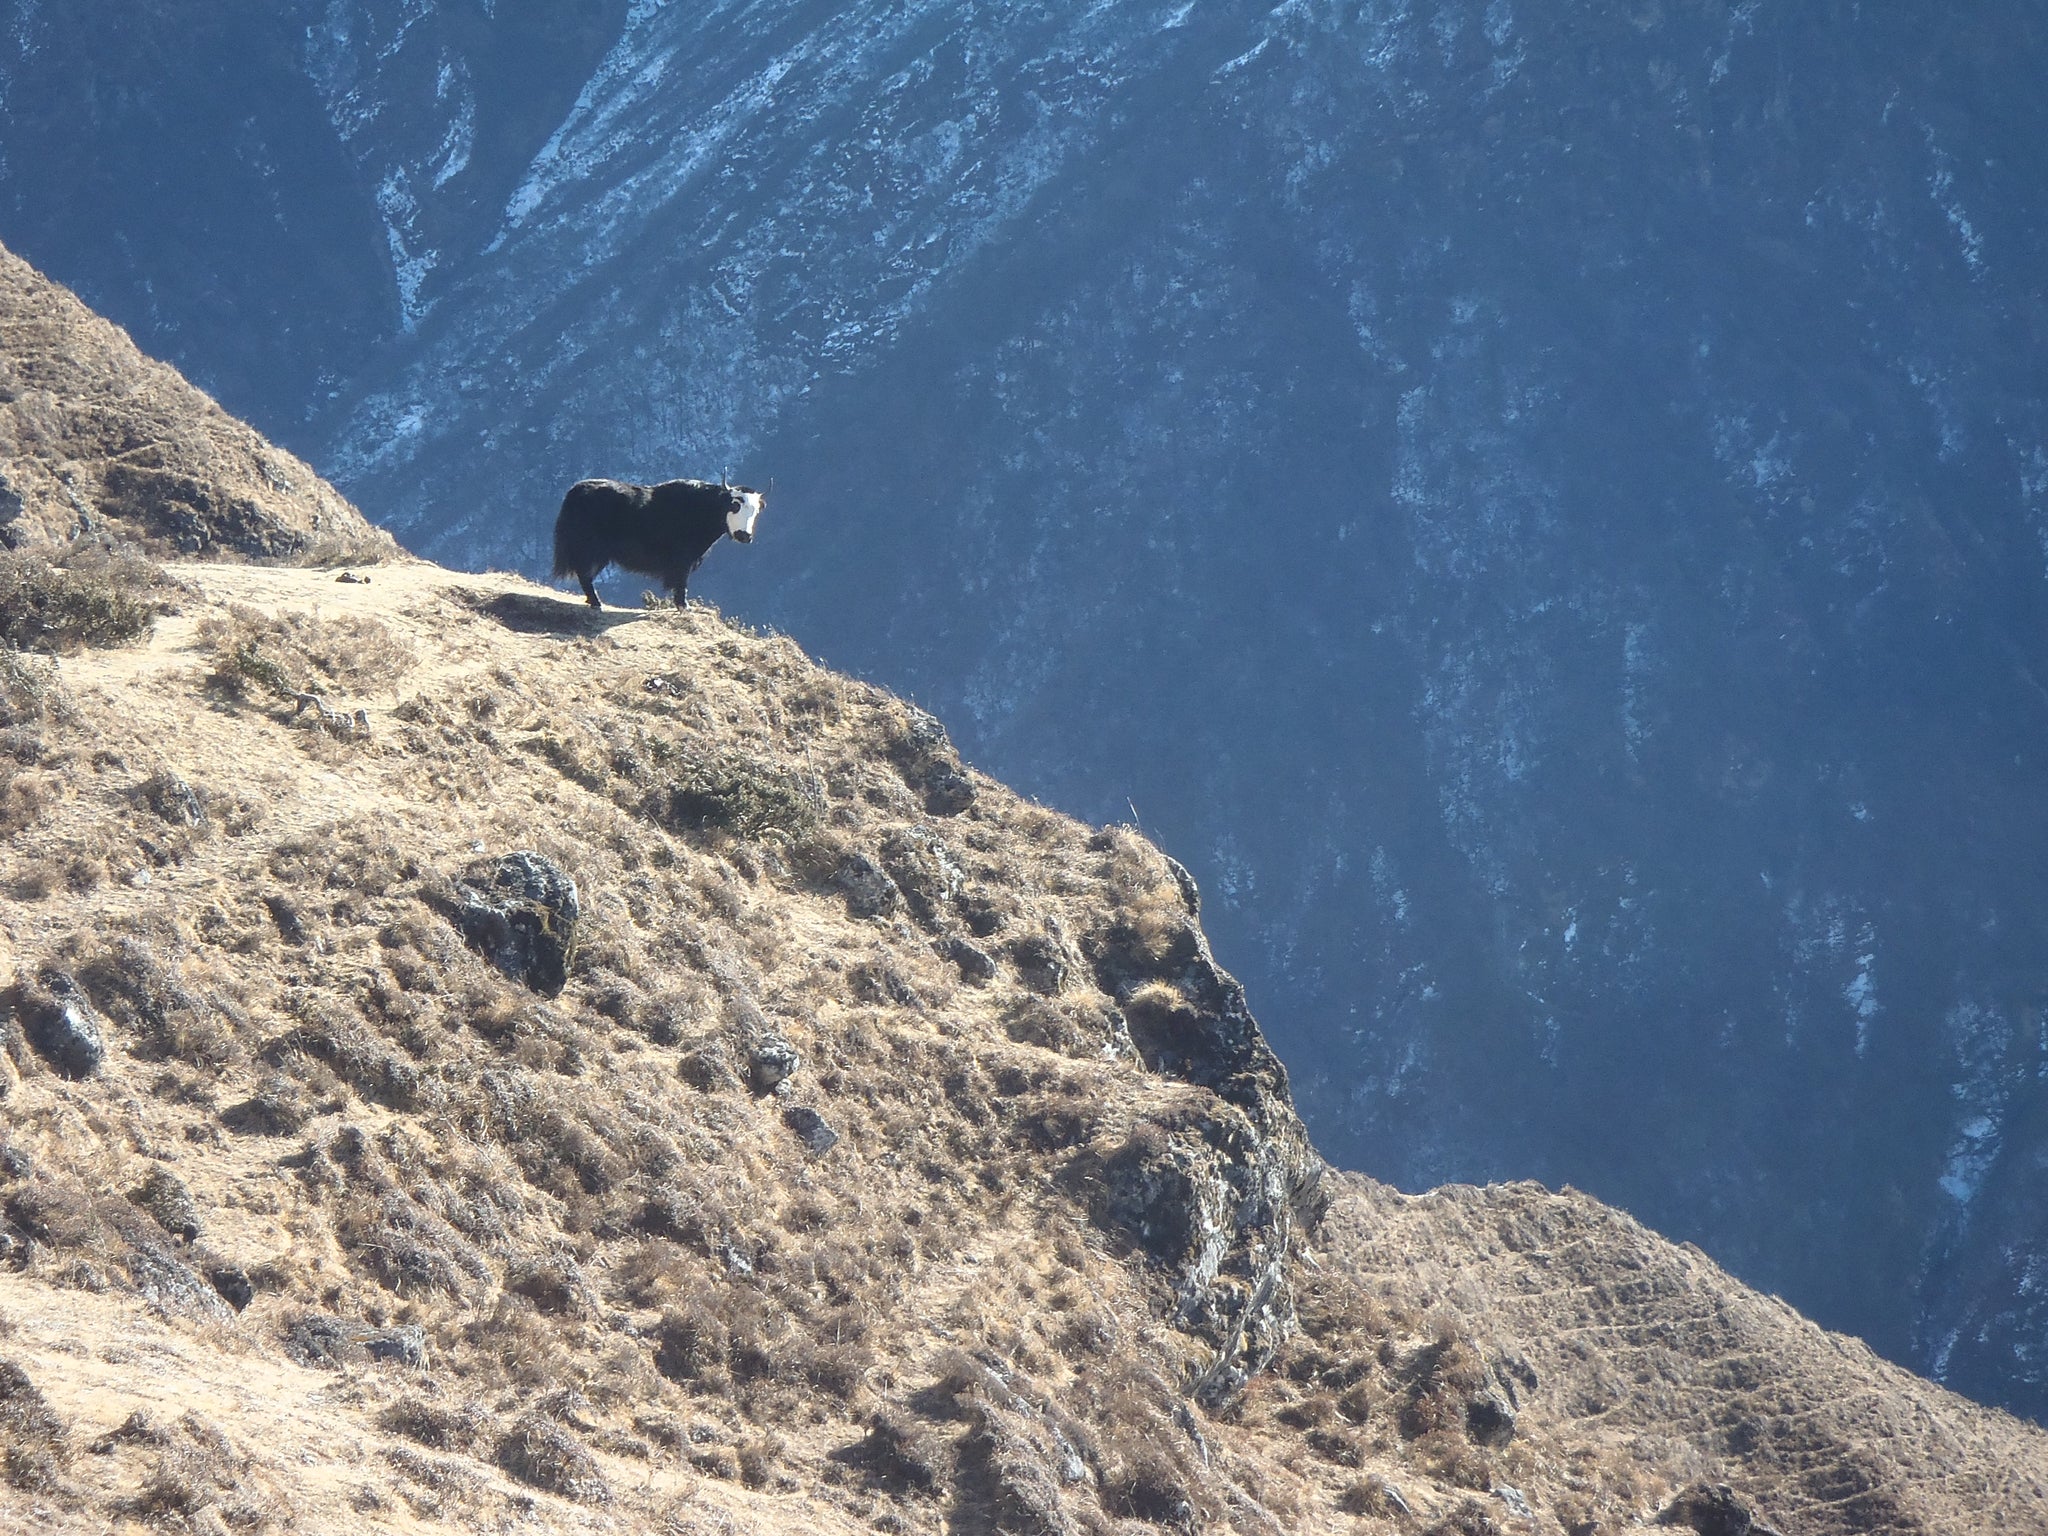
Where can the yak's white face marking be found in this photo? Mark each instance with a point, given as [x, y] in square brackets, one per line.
[739, 522]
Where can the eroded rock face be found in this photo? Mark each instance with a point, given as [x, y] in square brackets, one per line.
[520, 913]
[1219, 1196]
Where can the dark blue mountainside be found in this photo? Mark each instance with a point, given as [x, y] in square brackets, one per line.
[1545, 509]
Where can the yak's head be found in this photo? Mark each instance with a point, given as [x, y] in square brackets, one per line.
[739, 517]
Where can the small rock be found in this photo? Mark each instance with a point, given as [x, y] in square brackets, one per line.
[233, 1283]
[520, 913]
[1490, 1420]
[975, 963]
[773, 1062]
[58, 1019]
[810, 1128]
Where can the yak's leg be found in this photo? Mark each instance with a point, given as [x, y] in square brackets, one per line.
[676, 585]
[589, 591]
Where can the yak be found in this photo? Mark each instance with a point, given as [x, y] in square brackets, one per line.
[661, 530]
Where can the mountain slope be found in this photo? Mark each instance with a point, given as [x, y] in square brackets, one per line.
[466, 1058]
[1030, 1237]
[97, 440]
[1545, 510]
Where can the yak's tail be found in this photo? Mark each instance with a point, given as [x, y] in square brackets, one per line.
[568, 551]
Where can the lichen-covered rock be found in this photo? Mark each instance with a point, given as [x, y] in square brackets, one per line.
[520, 913]
[869, 890]
[771, 1063]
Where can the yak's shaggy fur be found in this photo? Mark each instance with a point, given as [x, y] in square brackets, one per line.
[661, 530]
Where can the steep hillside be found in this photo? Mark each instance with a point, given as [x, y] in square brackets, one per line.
[98, 440]
[612, 1071]
[1542, 507]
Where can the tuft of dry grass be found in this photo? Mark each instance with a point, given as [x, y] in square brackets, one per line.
[302, 652]
[540, 1452]
[83, 595]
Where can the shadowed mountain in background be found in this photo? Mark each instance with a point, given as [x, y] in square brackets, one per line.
[1546, 510]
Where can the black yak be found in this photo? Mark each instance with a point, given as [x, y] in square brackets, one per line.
[660, 530]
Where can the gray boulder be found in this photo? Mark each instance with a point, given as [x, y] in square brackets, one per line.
[520, 912]
[811, 1128]
[59, 1021]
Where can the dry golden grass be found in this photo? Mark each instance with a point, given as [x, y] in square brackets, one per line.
[97, 440]
[595, 1275]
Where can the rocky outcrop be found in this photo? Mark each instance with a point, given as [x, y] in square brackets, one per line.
[1221, 1193]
